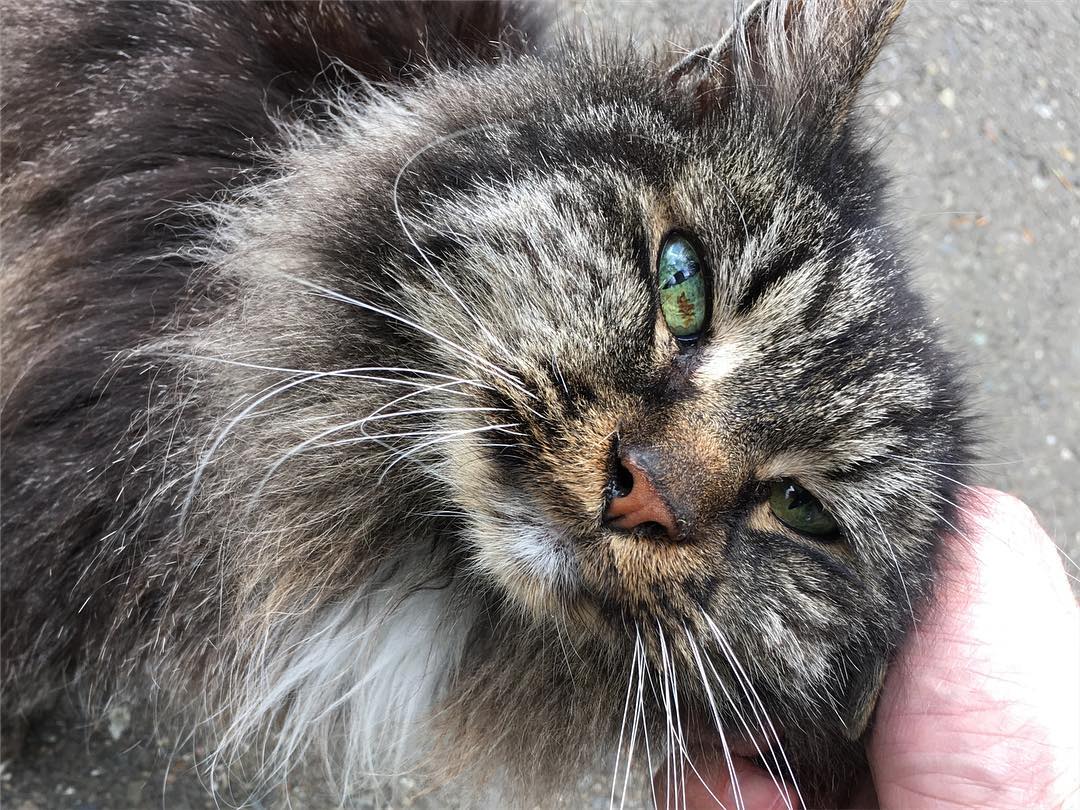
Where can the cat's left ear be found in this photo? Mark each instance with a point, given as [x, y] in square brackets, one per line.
[800, 62]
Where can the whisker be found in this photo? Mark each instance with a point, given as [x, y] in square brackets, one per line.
[565, 654]
[391, 403]
[345, 372]
[221, 436]
[458, 348]
[678, 726]
[622, 728]
[945, 477]
[1064, 554]
[671, 779]
[408, 234]
[643, 675]
[274, 391]
[747, 686]
[750, 734]
[630, 752]
[454, 434]
[899, 571]
[719, 727]
[978, 465]
[312, 442]
[368, 419]
[1061, 552]
[558, 374]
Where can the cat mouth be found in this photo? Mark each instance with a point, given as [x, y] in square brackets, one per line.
[759, 746]
[750, 747]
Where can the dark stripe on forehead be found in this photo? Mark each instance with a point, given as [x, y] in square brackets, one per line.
[788, 260]
[814, 309]
[512, 151]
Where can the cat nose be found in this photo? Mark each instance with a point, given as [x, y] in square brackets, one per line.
[636, 500]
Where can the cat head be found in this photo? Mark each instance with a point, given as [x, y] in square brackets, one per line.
[681, 403]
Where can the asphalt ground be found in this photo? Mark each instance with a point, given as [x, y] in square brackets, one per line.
[977, 109]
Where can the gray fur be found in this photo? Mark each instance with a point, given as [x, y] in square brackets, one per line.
[344, 408]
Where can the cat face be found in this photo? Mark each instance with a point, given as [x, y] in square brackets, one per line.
[679, 407]
[715, 404]
[812, 368]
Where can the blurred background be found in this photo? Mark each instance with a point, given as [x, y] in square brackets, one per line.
[977, 111]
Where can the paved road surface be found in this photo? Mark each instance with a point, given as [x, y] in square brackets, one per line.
[979, 112]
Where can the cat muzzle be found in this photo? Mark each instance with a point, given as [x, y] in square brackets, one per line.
[637, 502]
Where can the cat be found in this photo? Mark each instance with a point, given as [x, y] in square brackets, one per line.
[385, 384]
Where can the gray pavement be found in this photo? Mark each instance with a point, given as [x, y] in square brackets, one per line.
[978, 110]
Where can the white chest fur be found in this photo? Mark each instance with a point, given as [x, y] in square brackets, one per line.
[356, 684]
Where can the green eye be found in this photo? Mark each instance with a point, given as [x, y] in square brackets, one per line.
[798, 509]
[681, 280]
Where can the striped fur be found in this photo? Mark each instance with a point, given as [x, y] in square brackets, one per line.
[320, 321]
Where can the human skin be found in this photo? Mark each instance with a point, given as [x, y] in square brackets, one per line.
[982, 706]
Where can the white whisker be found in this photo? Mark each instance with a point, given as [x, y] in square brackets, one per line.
[750, 733]
[345, 372]
[622, 728]
[630, 752]
[748, 687]
[420, 252]
[312, 442]
[671, 789]
[643, 675]
[719, 726]
[899, 571]
[678, 725]
[453, 434]
[457, 347]
[224, 433]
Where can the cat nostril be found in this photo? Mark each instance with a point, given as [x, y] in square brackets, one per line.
[636, 503]
[622, 483]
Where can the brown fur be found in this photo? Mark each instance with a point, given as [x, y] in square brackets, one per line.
[315, 389]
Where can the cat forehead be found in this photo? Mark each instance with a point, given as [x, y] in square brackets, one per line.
[831, 306]
[755, 231]
[611, 141]
[741, 218]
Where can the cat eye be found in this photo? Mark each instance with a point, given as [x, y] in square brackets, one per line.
[681, 279]
[799, 510]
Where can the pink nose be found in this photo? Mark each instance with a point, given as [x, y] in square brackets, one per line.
[642, 503]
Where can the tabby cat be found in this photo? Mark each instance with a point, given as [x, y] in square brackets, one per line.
[383, 384]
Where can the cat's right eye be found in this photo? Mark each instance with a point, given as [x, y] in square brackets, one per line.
[799, 510]
[683, 287]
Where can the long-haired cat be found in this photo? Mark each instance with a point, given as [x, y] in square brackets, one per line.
[380, 387]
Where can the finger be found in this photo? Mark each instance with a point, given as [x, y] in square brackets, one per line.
[713, 786]
[980, 708]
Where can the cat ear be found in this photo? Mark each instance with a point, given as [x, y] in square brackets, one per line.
[798, 61]
[862, 696]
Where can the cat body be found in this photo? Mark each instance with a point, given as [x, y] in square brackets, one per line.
[333, 341]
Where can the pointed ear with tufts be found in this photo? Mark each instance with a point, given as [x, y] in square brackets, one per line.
[800, 62]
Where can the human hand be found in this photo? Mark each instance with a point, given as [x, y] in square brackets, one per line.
[982, 706]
